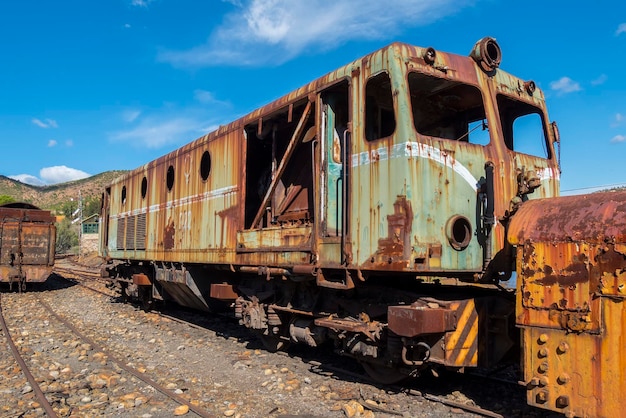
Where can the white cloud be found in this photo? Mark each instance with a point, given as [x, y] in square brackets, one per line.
[61, 174]
[565, 85]
[28, 179]
[600, 80]
[274, 31]
[127, 25]
[620, 29]
[155, 132]
[204, 96]
[52, 175]
[130, 115]
[140, 3]
[69, 143]
[52, 143]
[48, 123]
[618, 138]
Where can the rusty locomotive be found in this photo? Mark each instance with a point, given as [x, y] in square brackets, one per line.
[381, 208]
[27, 244]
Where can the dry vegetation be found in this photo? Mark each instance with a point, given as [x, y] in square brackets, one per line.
[54, 196]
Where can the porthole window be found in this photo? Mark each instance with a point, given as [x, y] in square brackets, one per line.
[144, 187]
[170, 178]
[123, 195]
[205, 165]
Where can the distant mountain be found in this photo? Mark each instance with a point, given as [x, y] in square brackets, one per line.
[51, 196]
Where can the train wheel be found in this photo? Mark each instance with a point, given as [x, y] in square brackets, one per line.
[145, 295]
[273, 342]
[382, 374]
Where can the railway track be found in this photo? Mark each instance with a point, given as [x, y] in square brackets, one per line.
[41, 398]
[53, 404]
[329, 367]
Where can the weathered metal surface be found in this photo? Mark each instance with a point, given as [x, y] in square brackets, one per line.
[578, 374]
[181, 287]
[370, 329]
[223, 291]
[592, 218]
[141, 279]
[571, 289]
[27, 243]
[412, 321]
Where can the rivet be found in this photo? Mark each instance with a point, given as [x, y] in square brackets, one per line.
[542, 396]
[543, 338]
[543, 367]
[543, 353]
[543, 381]
[563, 378]
[562, 348]
[562, 402]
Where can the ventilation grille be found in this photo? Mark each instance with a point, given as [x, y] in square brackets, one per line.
[131, 232]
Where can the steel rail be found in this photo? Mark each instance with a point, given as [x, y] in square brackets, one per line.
[139, 375]
[45, 404]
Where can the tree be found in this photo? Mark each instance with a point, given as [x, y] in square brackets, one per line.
[91, 206]
[4, 199]
[67, 238]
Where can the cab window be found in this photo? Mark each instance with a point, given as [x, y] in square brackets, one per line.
[447, 109]
[523, 127]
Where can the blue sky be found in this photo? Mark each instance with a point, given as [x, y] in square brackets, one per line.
[91, 86]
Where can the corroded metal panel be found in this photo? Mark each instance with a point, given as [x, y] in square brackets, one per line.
[27, 243]
[411, 321]
[570, 302]
[462, 344]
[578, 374]
[275, 239]
[591, 218]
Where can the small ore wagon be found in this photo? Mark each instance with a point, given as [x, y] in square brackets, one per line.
[27, 241]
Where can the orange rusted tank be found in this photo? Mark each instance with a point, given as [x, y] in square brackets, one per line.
[571, 286]
[27, 243]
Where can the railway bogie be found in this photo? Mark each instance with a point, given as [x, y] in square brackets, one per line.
[370, 209]
[27, 244]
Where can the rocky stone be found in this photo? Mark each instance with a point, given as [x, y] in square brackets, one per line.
[181, 410]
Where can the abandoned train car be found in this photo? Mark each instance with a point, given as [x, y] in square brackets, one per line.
[369, 208]
[27, 244]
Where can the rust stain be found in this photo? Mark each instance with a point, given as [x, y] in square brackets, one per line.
[168, 235]
[570, 276]
[394, 251]
[594, 218]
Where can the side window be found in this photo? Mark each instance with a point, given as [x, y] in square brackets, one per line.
[144, 187]
[380, 120]
[170, 178]
[523, 127]
[448, 109]
[205, 165]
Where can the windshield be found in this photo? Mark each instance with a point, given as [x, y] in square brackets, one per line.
[447, 109]
[523, 127]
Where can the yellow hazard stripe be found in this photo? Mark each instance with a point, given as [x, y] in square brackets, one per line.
[462, 344]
